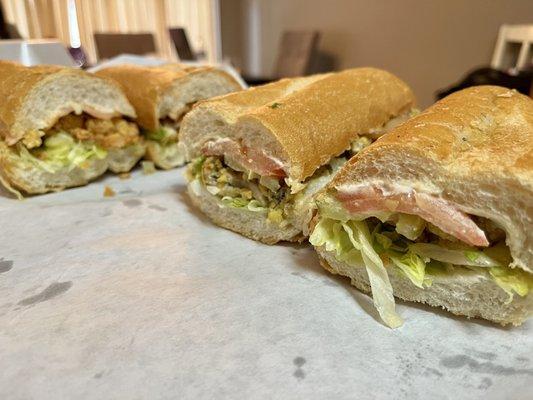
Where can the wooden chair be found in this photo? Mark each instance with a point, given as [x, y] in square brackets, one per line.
[181, 43]
[113, 44]
[297, 50]
[509, 35]
[13, 32]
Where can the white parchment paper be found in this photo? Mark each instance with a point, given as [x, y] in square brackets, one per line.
[138, 296]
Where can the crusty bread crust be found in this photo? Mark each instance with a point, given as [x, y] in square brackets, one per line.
[475, 149]
[467, 293]
[146, 87]
[302, 121]
[34, 98]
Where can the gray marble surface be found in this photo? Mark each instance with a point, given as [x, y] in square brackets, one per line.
[138, 296]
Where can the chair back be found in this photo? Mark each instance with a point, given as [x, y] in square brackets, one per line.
[297, 49]
[113, 44]
[181, 43]
[519, 37]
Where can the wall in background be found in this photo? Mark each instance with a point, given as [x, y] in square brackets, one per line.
[430, 44]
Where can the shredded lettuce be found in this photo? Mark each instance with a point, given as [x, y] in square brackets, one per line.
[62, 151]
[330, 208]
[239, 202]
[195, 167]
[470, 257]
[163, 135]
[352, 243]
[412, 266]
[512, 281]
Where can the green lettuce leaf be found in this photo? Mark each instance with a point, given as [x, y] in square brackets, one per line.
[62, 151]
[469, 256]
[352, 243]
[239, 202]
[348, 236]
[377, 274]
[163, 135]
[512, 281]
[195, 167]
[330, 234]
[412, 266]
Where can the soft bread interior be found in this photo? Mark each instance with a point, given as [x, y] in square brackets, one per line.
[465, 292]
[124, 159]
[208, 125]
[176, 100]
[62, 93]
[216, 119]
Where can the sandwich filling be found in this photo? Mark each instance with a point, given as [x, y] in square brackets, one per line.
[78, 141]
[163, 146]
[249, 179]
[257, 185]
[419, 236]
[365, 140]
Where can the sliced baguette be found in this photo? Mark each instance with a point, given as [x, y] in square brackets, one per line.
[34, 98]
[169, 91]
[473, 149]
[304, 122]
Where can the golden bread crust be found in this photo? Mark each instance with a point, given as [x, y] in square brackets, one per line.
[321, 120]
[311, 119]
[484, 130]
[145, 86]
[17, 85]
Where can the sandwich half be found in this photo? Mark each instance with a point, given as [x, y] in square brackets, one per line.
[161, 97]
[61, 127]
[439, 210]
[260, 155]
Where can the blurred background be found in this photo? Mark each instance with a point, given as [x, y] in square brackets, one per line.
[436, 46]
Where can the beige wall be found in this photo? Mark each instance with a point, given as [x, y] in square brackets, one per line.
[428, 43]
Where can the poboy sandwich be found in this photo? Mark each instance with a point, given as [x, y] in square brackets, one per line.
[61, 127]
[260, 154]
[439, 210]
[162, 96]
